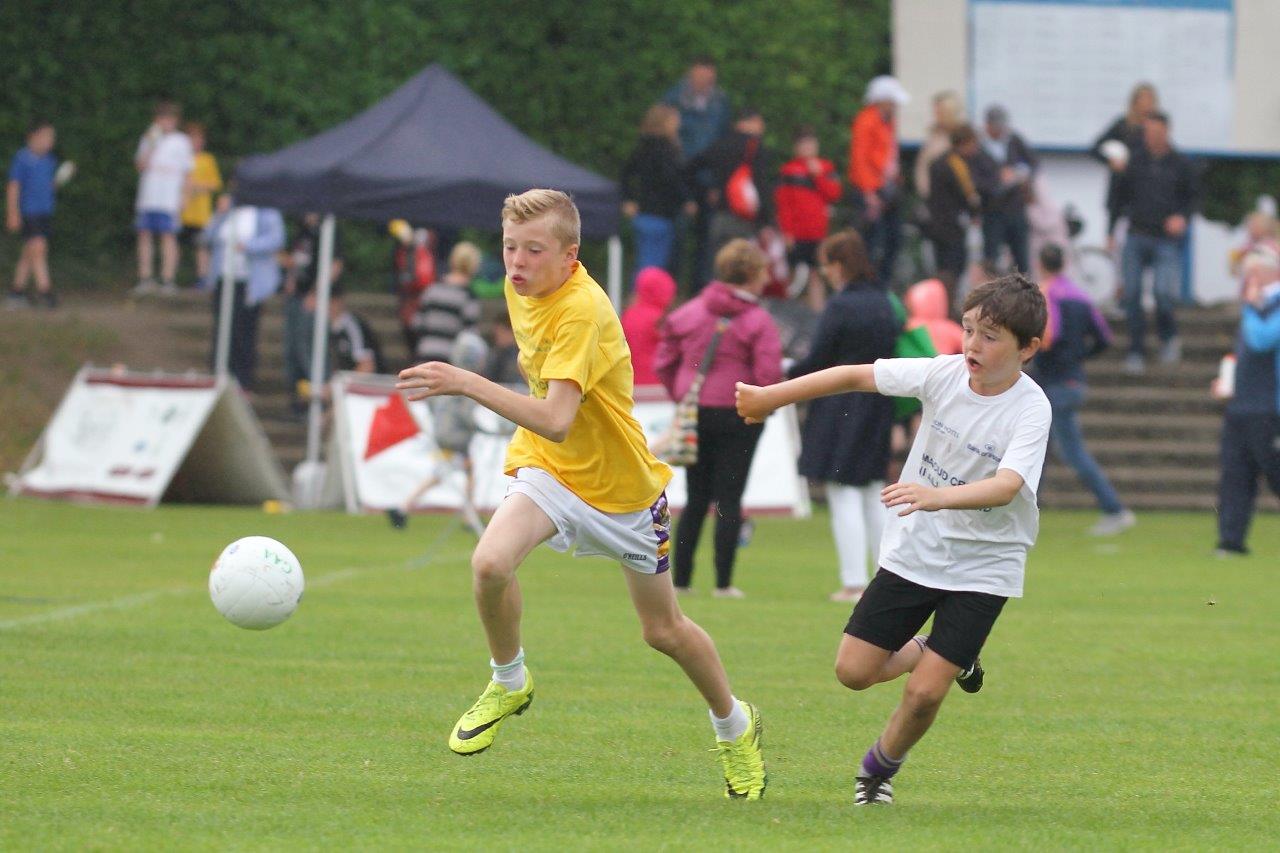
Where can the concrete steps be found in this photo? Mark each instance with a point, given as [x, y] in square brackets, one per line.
[1155, 435]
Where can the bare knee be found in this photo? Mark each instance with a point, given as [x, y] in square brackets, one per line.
[491, 569]
[664, 636]
[854, 676]
[923, 700]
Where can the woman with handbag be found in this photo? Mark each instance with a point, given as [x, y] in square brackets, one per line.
[721, 337]
[845, 440]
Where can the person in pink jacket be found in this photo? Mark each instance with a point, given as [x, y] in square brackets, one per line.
[926, 304]
[655, 288]
[750, 350]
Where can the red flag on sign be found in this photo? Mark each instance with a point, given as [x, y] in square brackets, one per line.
[392, 424]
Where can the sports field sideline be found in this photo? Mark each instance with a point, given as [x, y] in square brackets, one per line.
[1131, 698]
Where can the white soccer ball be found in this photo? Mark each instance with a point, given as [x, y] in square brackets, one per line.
[256, 582]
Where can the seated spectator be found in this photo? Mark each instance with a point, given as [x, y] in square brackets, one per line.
[448, 308]
[655, 289]
[353, 346]
[926, 304]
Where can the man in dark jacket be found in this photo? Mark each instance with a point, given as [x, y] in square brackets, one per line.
[1251, 425]
[1003, 171]
[1158, 192]
[730, 186]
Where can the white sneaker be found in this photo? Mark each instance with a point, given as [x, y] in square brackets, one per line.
[846, 595]
[145, 287]
[1171, 351]
[1134, 364]
[728, 592]
[1114, 522]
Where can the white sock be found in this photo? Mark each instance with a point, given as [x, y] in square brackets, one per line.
[732, 726]
[510, 675]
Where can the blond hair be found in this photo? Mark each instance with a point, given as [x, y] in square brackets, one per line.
[951, 109]
[565, 223]
[740, 262]
[659, 120]
[465, 259]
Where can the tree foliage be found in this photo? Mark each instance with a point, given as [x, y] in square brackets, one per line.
[574, 76]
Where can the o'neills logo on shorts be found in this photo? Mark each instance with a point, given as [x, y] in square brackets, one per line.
[637, 557]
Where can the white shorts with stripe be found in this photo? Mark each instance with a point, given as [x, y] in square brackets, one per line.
[639, 540]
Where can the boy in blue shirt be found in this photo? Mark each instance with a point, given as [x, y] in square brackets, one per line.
[29, 208]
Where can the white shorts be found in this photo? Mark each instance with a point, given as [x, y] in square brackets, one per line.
[639, 540]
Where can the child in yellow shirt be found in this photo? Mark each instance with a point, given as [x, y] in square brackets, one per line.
[584, 479]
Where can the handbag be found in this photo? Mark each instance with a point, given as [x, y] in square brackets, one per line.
[678, 443]
[740, 190]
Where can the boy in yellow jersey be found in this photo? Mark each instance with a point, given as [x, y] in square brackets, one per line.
[584, 479]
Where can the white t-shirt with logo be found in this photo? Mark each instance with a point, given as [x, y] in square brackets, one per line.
[965, 437]
[170, 159]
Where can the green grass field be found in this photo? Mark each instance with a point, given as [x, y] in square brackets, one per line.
[1131, 698]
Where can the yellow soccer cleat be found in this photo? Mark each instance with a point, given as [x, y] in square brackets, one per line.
[743, 760]
[478, 727]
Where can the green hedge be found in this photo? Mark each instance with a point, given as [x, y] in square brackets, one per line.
[574, 76]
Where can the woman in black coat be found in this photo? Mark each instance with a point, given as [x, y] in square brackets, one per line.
[845, 441]
[1127, 129]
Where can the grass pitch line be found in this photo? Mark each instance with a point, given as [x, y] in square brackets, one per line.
[137, 599]
[124, 602]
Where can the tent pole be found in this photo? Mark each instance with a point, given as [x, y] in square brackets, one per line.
[615, 272]
[226, 302]
[320, 339]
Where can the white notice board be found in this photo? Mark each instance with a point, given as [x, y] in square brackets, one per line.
[1064, 68]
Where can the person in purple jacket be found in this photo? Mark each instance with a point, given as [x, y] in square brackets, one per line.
[1077, 331]
[750, 350]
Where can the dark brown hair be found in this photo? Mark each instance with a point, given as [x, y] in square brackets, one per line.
[961, 134]
[1014, 302]
[847, 249]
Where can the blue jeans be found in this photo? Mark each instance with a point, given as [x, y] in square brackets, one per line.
[1006, 228]
[1165, 256]
[654, 238]
[1068, 443]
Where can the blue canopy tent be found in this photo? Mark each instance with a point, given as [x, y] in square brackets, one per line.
[432, 152]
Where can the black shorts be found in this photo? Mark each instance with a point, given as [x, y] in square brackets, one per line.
[893, 609]
[804, 251]
[37, 226]
[190, 236]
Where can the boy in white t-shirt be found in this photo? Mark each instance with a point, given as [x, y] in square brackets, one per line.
[964, 511]
[164, 160]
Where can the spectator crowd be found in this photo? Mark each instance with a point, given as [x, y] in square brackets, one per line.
[747, 266]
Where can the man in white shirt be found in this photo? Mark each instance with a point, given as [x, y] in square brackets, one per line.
[164, 160]
[963, 514]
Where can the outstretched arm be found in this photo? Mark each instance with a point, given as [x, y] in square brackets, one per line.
[755, 403]
[997, 490]
[550, 418]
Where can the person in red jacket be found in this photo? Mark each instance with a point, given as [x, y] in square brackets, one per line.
[875, 173]
[749, 350]
[809, 185]
[655, 289]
